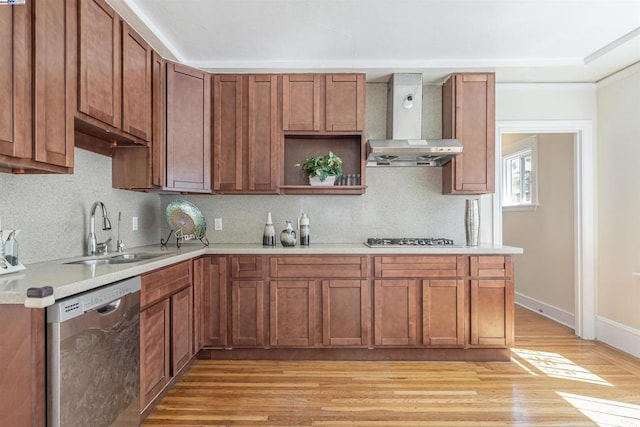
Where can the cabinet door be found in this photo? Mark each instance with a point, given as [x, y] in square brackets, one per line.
[345, 312]
[181, 330]
[301, 102]
[247, 313]
[136, 84]
[395, 312]
[227, 133]
[155, 331]
[293, 309]
[214, 301]
[345, 102]
[443, 312]
[15, 87]
[492, 313]
[468, 114]
[188, 129]
[263, 144]
[99, 73]
[54, 82]
[23, 361]
[159, 121]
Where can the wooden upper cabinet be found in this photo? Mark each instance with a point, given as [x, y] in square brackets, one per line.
[99, 61]
[136, 84]
[15, 87]
[468, 114]
[37, 78]
[245, 133]
[55, 76]
[345, 102]
[263, 134]
[188, 129]
[228, 138]
[323, 102]
[301, 102]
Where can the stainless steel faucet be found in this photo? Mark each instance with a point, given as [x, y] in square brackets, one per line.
[93, 247]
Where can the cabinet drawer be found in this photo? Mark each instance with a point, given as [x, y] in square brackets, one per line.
[162, 283]
[247, 267]
[326, 267]
[419, 266]
[491, 266]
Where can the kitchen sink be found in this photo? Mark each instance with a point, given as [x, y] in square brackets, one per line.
[117, 259]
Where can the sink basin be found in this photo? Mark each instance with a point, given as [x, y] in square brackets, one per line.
[117, 259]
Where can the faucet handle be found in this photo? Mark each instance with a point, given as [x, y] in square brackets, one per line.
[103, 247]
[119, 246]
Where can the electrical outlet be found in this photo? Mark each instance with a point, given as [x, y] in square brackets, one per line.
[217, 224]
[134, 223]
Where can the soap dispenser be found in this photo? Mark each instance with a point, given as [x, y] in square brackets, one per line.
[269, 235]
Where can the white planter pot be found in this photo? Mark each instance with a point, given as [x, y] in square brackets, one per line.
[329, 181]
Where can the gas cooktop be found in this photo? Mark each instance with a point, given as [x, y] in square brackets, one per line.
[407, 241]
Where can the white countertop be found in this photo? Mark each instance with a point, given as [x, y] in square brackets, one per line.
[71, 279]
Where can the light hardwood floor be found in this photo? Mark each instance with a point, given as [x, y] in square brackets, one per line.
[554, 379]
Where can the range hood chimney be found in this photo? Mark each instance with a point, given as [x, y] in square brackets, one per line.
[404, 145]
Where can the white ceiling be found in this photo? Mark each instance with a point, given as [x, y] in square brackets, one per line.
[521, 40]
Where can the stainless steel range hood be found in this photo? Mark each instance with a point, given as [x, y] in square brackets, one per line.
[404, 146]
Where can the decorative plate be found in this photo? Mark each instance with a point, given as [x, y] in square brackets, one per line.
[185, 219]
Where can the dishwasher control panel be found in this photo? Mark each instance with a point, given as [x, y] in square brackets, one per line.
[77, 305]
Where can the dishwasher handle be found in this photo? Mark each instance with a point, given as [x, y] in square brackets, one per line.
[109, 308]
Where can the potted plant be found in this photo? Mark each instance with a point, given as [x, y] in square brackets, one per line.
[322, 170]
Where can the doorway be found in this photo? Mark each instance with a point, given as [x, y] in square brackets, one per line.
[584, 209]
[537, 215]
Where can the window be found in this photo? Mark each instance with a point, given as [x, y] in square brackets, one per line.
[519, 173]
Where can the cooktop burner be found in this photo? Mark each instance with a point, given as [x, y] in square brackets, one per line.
[391, 242]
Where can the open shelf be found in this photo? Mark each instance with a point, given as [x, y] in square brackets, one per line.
[297, 148]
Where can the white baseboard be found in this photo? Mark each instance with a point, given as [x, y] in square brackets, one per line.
[547, 310]
[618, 335]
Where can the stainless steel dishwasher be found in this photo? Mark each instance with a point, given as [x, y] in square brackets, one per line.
[93, 360]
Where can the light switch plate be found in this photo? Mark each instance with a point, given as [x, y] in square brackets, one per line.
[134, 223]
[217, 224]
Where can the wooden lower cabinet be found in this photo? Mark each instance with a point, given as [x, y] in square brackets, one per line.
[210, 288]
[166, 328]
[420, 300]
[181, 335]
[310, 313]
[443, 312]
[346, 312]
[22, 366]
[491, 301]
[247, 313]
[155, 338]
[396, 310]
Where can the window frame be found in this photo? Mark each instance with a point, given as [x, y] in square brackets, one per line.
[520, 149]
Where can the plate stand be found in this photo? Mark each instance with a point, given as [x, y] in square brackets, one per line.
[180, 237]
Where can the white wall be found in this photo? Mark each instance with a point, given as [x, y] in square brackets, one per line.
[545, 272]
[619, 200]
[52, 211]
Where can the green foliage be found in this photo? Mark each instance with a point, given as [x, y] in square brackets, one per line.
[322, 166]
